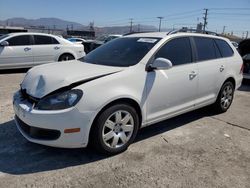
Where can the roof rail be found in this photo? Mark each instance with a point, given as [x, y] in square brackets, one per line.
[130, 33]
[186, 30]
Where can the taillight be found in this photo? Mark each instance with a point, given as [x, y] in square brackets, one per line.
[242, 68]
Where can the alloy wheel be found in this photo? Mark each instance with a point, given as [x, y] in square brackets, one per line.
[118, 129]
[226, 97]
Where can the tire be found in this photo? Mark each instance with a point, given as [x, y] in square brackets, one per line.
[224, 98]
[112, 133]
[66, 57]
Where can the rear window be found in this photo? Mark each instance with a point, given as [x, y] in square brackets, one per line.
[225, 49]
[206, 49]
[43, 40]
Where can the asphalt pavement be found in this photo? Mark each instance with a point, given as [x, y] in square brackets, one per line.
[197, 149]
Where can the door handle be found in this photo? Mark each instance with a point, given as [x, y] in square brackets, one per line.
[56, 48]
[27, 49]
[222, 68]
[192, 75]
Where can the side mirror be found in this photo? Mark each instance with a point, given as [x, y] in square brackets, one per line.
[4, 43]
[160, 64]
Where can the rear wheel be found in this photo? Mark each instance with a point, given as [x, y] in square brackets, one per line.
[66, 57]
[225, 97]
[115, 129]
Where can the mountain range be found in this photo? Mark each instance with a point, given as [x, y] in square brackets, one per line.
[56, 23]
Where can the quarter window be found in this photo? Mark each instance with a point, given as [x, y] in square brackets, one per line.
[43, 40]
[178, 51]
[206, 49]
[225, 49]
[23, 40]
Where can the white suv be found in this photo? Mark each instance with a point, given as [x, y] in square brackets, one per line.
[21, 50]
[124, 85]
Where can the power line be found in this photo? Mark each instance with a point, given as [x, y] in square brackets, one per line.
[230, 14]
[229, 8]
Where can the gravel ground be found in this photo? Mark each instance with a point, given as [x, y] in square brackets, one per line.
[197, 149]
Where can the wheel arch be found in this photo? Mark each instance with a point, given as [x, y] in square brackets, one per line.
[125, 100]
[231, 79]
[65, 53]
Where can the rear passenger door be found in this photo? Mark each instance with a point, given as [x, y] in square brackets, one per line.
[211, 69]
[45, 49]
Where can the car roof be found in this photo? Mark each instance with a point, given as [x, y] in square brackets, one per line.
[167, 35]
[30, 33]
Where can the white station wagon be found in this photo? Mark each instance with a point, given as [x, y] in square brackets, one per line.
[124, 85]
[22, 50]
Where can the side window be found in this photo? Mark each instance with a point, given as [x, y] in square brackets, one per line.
[54, 41]
[23, 40]
[178, 51]
[43, 40]
[206, 49]
[225, 49]
[217, 51]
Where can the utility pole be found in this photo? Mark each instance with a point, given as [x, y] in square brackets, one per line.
[224, 28]
[160, 18]
[247, 35]
[131, 24]
[205, 20]
[139, 27]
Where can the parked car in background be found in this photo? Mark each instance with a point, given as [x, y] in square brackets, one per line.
[90, 45]
[76, 40]
[111, 37]
[124, 85]
[244, 49]
[22, 50]
[235, 44]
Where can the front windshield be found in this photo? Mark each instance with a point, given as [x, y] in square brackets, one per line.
[121, 52]
[3, 36]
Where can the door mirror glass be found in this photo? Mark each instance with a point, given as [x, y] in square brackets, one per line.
[4, 43]
[160, 64]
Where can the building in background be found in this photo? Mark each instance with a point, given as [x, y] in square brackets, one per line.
[8, 29]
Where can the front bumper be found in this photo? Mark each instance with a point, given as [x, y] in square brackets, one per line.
[47, 127]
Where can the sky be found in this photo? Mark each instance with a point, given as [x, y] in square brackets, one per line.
[233, 14]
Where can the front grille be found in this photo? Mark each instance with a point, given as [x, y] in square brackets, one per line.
[38, 133]
[31, 99]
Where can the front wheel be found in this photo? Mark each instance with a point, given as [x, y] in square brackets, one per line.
[115, 129]
[225, 97]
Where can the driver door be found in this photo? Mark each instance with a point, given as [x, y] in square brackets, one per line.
[172, 91]
[18, 53]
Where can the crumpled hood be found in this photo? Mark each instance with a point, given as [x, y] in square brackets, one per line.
[44, 79]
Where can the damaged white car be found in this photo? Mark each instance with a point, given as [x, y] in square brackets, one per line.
[126, 84]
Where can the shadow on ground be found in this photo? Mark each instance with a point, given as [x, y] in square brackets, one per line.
[18, 156]
[13, 71]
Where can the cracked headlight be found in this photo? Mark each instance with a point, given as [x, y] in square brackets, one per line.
[60, 101]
